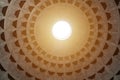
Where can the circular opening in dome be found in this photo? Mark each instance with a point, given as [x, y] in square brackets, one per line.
[61, 30]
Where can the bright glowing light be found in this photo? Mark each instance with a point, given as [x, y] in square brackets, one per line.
[61, 30]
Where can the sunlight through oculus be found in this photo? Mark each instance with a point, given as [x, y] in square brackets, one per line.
[61, 30]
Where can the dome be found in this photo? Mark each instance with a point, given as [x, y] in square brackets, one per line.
[28, 50]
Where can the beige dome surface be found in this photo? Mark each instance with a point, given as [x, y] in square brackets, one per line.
[29, 52]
